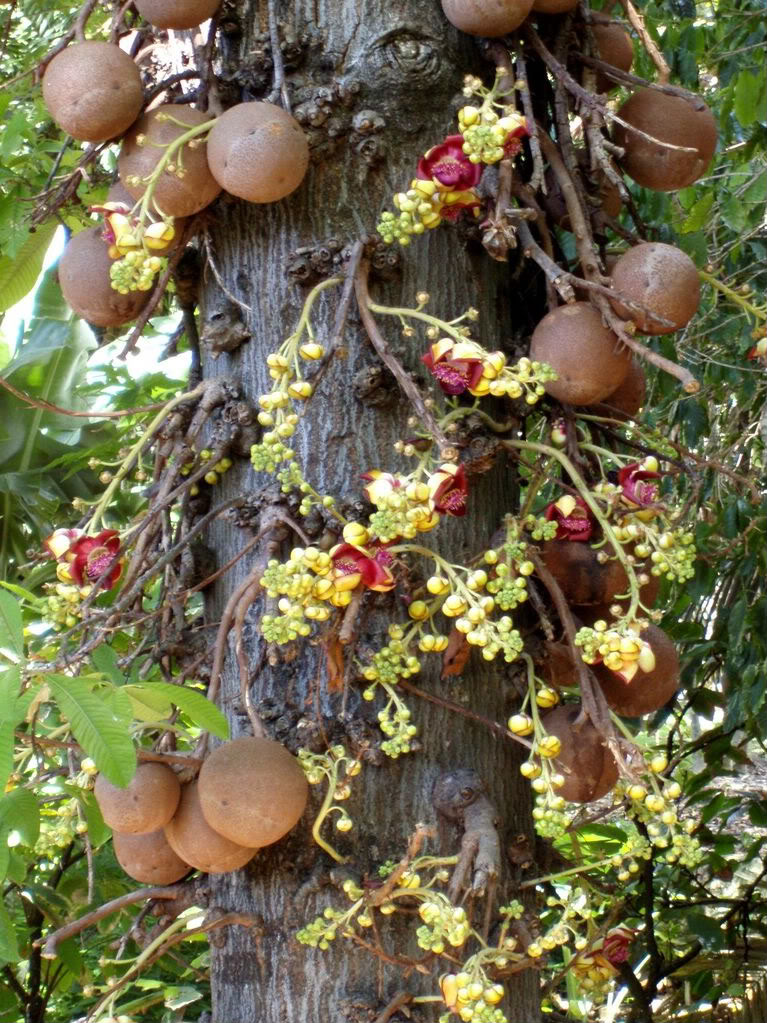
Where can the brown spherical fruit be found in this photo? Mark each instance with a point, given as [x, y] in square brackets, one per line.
[626, 400]
[176, 13]
[662, 278]
[149, 858]
[581, 577]
[194, 840]
[554, 6]
[647, 690]
[486, 17]
[588, 767]
[674, 119]
[146, 804]
[174, 195]
[588, 358]
[614, 47]
[258, 152]
[252, 791]
[87, 287]
[93, 91]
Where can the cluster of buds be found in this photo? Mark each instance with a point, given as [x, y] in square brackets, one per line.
[463, 365]
[620, 648]
[336, 768]
[472, 997]
[448, 174]
[654, 806]
[641, 520]
[596, 966]
[214, 473]
[135, 246]
[408, 505]
[443, 924]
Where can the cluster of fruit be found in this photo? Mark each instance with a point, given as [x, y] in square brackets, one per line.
[249, 793]
[173, 162]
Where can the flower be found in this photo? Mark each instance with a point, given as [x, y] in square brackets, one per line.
[635, 489]
[616, 943]
[448, 166]
[572, 517]
[449, 489]
[60, 540]
[369, 566]
[455, 366]
[91, 559]
[452, 204]
[380, 486]
[513, 143]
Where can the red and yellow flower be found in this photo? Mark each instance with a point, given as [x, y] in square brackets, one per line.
[355, 565]
[572, 517]
[455, 365]
[448, 166]
[86, 560]
[449, 489]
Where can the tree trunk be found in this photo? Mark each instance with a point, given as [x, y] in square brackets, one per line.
[375, 83]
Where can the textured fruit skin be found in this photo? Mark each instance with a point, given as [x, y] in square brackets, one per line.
[86, 286]
[252, 791]
[589, 360]
[192, 838]
[682, 122]
[554, 6]
[626, 400]
[147, 804]
[582, 579]
[258, 152]
[661, 277]
[178, 197]
[149, 858]
[93, 91]
[176, 13]
[614, 47]
[647, 691]
[490, 18]
[588, 766]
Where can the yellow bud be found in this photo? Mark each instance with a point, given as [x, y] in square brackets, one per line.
[418, 611]
[311, 350]
[454, 605]
[437, 585]
[300, 389]
[546, 697]
[355, 533]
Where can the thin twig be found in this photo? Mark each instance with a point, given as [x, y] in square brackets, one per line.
[377, 896]
[536, 181]
[279, 85]
[53, 940]
[401, 999]
[637, 23]
[384, 353]
[219, 280]
[472, 715]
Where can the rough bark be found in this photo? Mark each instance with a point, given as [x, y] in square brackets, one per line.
[401, 61]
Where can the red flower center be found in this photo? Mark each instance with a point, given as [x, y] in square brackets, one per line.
[100, 560]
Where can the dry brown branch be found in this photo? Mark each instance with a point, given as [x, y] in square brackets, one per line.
[52, 941]
[536, 181]
[376, 896]
[384, 353]
[400, 1000]
[637, 23]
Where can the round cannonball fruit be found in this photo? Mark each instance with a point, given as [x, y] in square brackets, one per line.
[588, 767]
[119, 193]
[588, 358]
[554, 6]
[93, 91]
[614, 47]
[675, 119]
[647, 690]
[662, 278]
[486, 17]
[194, 840]
[258, 152]
[626, 400]
[174, 195]
[146, 804]
[252, 791]
[148, 858]
[87, 287]
[176, 13]
[582, 578]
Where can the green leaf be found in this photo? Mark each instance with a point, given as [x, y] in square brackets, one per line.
[104, 660]
[698, 215]
[749, 97]
[98, 831]
[19, 812]
[102, 734]
[148, 706]
[178, 997]
[192, 702]
[11, 628]
[18, 275]
[9, 949]
[735, 214]
[12, 711]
